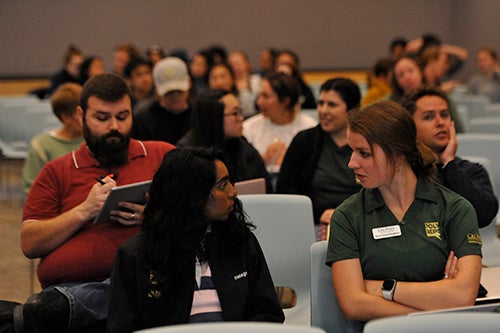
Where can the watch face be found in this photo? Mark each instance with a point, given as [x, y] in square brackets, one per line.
[388, 284]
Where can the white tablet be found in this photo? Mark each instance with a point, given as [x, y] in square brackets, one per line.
[134, 193]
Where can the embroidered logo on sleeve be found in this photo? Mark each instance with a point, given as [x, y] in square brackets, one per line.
[432, 230]
[240, 276]
[474, 239]
[153, 292]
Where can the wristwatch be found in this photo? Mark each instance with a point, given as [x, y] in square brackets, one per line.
[388, 287]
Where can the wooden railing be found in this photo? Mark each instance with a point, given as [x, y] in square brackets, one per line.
[24, 86]
[21, 86]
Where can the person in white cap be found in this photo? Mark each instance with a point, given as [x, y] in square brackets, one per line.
[167, 117]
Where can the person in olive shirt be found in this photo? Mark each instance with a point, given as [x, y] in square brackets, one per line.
[403, 243]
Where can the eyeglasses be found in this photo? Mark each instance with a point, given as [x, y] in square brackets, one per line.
[236, 114]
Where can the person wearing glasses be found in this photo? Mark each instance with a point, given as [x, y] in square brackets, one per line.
[196, 259]
[217, 122]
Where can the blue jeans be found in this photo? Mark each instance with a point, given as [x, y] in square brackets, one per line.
[88, 302]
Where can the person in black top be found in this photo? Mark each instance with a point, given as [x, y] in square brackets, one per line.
[70, 72]
[139, 75]
[315, 163]
[217, 122]
[196, 259]
[430, 110]
[166, 118]
[288, 60]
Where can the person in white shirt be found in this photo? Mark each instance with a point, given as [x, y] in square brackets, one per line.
[271, 131]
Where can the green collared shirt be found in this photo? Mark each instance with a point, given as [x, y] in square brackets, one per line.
[414, 249]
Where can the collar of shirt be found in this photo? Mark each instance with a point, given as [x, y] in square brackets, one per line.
[83, 158]
[425, 190]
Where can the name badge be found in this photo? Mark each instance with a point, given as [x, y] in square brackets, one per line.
[386, 232]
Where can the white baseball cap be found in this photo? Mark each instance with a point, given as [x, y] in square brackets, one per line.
[171, 74]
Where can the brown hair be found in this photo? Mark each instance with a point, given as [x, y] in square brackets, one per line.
[397, 91]
[409, 101]
[65, 99]
[128, 48]
[493, 54]
[391, 127]
[285, 87]
[71, 51]
[107, 87]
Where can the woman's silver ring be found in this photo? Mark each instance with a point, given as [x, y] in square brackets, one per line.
[446, 276]
[132, 216]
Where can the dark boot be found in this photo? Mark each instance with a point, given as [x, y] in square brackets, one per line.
[49, 312]
[6, 316]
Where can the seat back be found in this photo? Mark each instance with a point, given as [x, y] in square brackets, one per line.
[463, 113]
[491, 110]
[484, 125]
[20, 121]
[285, 230]
[233, 327]
[325, 309]
[454, 322]
[18, 100]
[485, 145]
[475, 104]
[12, 120]
[489, 236]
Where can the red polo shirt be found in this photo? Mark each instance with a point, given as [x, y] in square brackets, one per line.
[65, 183]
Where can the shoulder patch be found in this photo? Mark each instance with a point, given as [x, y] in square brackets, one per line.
[474, 239]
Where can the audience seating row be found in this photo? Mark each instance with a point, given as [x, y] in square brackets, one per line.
[327, 315]
[285, 223]
[439, 323]
[285, 230]
[21, 118]
[485, 149]
[233, 327]
[478, 114]
[489, 236]
[452, 322]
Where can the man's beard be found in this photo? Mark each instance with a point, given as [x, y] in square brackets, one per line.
[111, 150]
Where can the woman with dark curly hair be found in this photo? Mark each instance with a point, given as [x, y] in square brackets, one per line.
[196, 259]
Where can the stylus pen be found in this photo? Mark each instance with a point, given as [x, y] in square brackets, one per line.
[100, 179]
